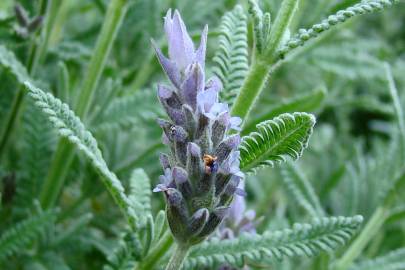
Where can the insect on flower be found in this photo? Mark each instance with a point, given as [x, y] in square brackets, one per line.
[210, 163]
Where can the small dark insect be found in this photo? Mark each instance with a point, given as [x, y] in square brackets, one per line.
[210, 163]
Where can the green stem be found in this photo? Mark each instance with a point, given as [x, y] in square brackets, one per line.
[251, 88]
[64, 154]
[376, 221]
[259, 71]
[178, 256]
[156, 253]
[34, 50]
[369, 231]
[112, 22]
[280, 26]
[58, 171]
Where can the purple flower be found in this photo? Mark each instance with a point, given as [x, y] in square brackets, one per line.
[166, 181]
[238, 220]
[201, 174]
[181, 49]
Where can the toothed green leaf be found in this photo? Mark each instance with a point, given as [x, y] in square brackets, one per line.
[232, 55]
[276, 139]
[69, 126]
[9, 61]
[325, 234]
[20, 236]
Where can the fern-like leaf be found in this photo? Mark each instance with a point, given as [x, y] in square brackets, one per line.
[18, 238]
[324, 234]
[140, 194]
[394, 260]
[129, 111]
[304, 35]
[274, 140]
[232, 55]
[70, 127]
[38, 139]
[9, 61]
[301, 190]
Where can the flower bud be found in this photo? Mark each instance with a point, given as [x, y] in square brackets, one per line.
[177, 213]
[226, 146]
[219, 128]
[164, 161]
[168, 66]
[198, 221]
[190, 121]
[193, 84]
[183, 185]
[214, 220]
[172, 104]
[194, 165]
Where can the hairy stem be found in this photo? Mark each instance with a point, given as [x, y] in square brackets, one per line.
[178, 256]
[251, 88]
[280, 26]
[156, 253]
[65, 151]
[259, 71]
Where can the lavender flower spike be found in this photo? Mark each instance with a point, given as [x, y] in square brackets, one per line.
[201, 173]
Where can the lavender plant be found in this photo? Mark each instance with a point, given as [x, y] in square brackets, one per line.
[232, 173]
[202, 171]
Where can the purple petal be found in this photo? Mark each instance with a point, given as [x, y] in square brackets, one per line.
[181, 47]
[216, 110]
[206, 99]
[240, 192]
[160, 188]
[234, 123]
[193, 84]
[214, 83]
[237, 209]
[168, 66]
[200, 53]
[165, 140]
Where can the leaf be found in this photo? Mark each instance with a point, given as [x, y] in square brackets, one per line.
[301, 190]
[304, 35]
[129, 110]
[69, 126]
[396, 100]
[394, 260]
[11, 63]
[302, 103]
[274, 140]
[140, 194]
[325, 234]
[18, 238]
[38, 139]
[231, 57]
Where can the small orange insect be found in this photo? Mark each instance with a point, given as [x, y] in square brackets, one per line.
[210, 163]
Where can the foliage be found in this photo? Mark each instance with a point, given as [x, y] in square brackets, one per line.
[274, 140]
[231, 58]
[303, 239]
[23, 234]
[282, 64]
